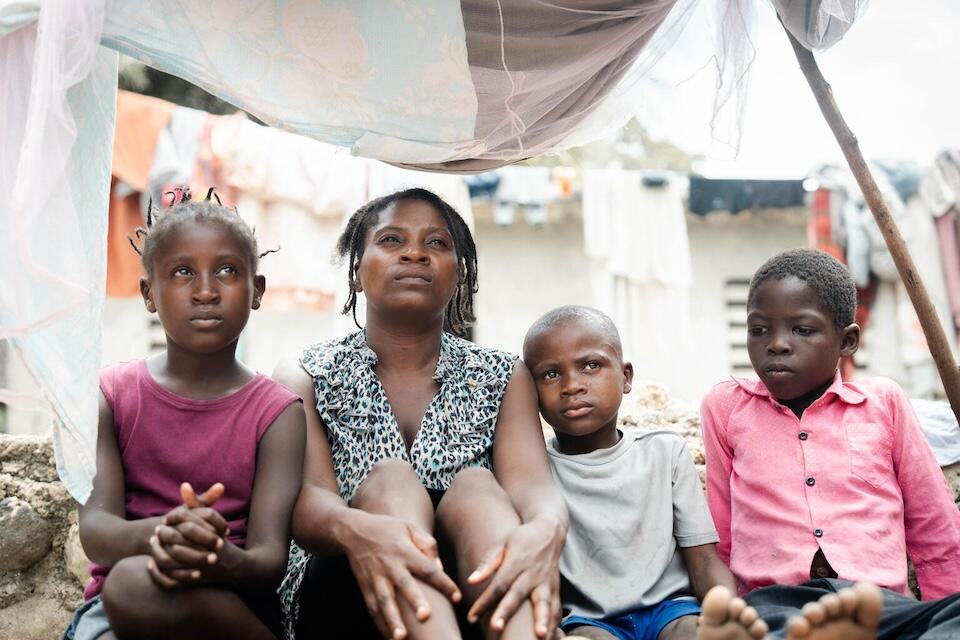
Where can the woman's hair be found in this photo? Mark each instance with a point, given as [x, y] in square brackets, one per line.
[350, 246]
[184, 209]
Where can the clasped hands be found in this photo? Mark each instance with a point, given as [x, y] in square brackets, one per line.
[188, 539]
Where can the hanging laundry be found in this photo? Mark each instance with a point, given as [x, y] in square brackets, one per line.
[636, 240]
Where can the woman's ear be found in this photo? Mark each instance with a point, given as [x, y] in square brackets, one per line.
[147, 295]
[850, 340]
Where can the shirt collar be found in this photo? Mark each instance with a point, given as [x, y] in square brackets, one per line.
[837, 388]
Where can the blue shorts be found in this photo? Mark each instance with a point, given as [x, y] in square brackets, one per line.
[642, 624]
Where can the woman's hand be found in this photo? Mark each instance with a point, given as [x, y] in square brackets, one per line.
[386, 554]
[187, 539]
[525, 566]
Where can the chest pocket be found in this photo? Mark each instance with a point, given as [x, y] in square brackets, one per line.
[870, 452]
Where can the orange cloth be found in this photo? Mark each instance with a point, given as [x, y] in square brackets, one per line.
[123, 263]
[140, 119]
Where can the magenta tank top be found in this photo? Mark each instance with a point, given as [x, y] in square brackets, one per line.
[165, 439]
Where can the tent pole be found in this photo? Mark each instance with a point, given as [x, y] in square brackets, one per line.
[932, 329]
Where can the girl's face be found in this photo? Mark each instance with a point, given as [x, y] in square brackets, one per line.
[409, 262]
[203, 286]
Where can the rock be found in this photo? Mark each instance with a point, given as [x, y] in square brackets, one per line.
[952, 474]
[34, 619]
[77, 562]
[25, 537]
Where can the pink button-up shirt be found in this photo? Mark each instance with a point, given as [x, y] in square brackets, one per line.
[854, 476]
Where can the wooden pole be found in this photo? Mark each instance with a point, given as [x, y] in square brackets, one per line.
[932, 329]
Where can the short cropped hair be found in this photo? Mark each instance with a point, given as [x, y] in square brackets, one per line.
[577, 313]
[823, 273]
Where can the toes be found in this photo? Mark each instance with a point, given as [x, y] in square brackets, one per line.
[831, 606]
[715, 604]
[735, 608]
[748, 616]
[870, 604]
[815, 613]
[848, 601]
[798, 627]
[758, 630]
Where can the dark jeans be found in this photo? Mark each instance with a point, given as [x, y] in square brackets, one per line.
[903, 618]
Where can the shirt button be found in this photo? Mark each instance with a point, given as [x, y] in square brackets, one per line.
[802, 435]
[818, 533]
[811, 481]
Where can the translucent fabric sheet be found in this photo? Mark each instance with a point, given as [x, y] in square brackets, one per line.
[57, 88]
[430, 84]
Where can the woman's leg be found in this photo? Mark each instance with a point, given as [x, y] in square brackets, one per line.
[138, 608]
[393, 488]
[476, 516]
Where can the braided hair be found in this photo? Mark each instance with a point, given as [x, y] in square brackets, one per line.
[459, 313]
[184, 209]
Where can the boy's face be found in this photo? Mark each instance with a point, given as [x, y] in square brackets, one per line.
[580, 377]
[793, 341]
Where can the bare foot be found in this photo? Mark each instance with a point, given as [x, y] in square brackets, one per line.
[726, 617]
[850, 614]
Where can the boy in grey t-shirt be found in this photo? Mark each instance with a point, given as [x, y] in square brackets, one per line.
[641, 547]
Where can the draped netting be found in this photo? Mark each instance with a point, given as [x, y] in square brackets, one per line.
[436, 85]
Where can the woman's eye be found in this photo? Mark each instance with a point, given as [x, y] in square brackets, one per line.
[389, 239]
[437, 242]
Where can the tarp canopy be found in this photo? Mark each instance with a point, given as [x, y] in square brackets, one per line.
[437, 85]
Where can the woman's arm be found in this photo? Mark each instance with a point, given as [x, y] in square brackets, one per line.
[528, 564]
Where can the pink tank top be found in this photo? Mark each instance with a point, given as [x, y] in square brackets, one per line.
[166, 439]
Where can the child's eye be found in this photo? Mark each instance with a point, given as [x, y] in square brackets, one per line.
[550, 375]
[592, 365]
[756, 331]
[228, 269]
[181, 271]
[805, 331]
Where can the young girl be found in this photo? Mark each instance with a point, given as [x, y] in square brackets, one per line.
[405, 422]
[168, 563]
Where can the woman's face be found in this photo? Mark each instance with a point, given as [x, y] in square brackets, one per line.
[409, 263]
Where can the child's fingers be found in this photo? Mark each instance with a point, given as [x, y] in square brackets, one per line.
[183, 514]
[188, 495]
[162, 580]
[489, 566]
[211, 495]
[160, 557]
[199, 535]
[190, 556]
[213, 518]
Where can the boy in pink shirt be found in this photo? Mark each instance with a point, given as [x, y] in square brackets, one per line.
[813, 481]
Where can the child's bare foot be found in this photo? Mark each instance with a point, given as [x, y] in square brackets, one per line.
[726, 617]
[850, 614]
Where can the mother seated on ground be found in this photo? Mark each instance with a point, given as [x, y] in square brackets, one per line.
[426, 482]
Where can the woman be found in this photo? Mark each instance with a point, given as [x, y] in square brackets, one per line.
[414, 432]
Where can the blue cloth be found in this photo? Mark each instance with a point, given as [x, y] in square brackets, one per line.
[89, 621]
[642, 624]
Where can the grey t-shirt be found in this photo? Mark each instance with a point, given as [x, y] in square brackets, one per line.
[631, 507]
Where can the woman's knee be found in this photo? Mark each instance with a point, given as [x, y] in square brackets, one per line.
[474, 481]
[393, 488]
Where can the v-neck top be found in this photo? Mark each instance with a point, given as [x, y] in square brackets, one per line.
[456, 430]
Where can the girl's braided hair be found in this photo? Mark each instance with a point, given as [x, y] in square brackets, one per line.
[459, 314]
[184, 209]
